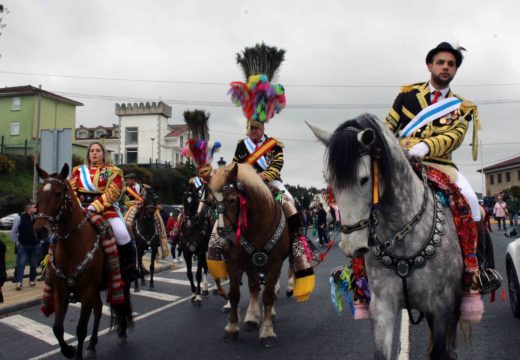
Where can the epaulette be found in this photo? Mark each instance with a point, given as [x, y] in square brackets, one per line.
[278, 142]
[239, 141]
[409, 88]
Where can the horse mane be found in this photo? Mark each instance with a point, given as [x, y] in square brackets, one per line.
[344, 149]
[252, 184]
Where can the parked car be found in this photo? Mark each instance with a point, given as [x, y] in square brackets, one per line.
[175, 209]
[7, 221]
[513, 274]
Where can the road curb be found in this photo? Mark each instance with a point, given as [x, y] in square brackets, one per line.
[31, 302]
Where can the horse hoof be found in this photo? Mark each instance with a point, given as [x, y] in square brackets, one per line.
[122, 340]
[205, 292]
[225, 310]
[90, 354]
[250, 326]
[269, 342]
[230, 336]
[289, 293]
[68, 351]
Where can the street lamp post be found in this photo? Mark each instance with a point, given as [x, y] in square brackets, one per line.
[151, 159]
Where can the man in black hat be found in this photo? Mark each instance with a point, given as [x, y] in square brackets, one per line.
[431, 122]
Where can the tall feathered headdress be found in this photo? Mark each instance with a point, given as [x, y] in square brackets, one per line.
[259, 99]
[197, 147]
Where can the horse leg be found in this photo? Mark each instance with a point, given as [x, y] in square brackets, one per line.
[59, 315]
[232, 328]
[152, 265]
[189, 274]
[252, 319]
[382, 316]
[81, 328]
[444, 329]
[205, 286]
[198, 299]
[126, 320]
[91, 349]
[267, 334]
[290, 281]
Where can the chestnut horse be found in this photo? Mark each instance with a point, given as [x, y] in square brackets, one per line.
[76, 270]
[256, 241]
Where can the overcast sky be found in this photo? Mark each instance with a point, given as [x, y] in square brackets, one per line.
[342, 58]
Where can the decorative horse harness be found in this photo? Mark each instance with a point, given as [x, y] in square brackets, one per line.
[259, 257]
[193, 244]
[402, 265]
[53, 221]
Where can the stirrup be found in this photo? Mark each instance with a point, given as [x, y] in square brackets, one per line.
[489, 280]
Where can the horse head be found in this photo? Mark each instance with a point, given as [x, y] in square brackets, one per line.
[53, 201]
[358, 163]
[150, 202]
[190, 205]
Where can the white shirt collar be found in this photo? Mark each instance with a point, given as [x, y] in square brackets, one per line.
[444, 92]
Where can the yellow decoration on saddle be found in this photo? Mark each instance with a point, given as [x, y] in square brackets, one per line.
[375, 192]
[303, 287]
[217, 269]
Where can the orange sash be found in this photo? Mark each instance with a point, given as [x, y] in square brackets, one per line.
[134, 194]
[266, 146]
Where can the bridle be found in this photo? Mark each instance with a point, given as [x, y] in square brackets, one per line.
[66, 206]
[224, 231]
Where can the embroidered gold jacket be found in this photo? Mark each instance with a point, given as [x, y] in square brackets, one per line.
[443, 135]
[273, 157]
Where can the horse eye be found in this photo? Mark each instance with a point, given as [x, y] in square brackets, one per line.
[58, 194]
[363, 181]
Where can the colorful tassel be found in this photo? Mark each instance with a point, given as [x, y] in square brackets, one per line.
[303, 287]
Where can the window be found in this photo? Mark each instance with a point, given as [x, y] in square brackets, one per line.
[115, 133]
[100, 133]
[82, 134]
[131, 155]
[181, 141]
[491, 179]
[131, 137]
[17, 104]
[117, 159]
[15, 129]
[176, 159]
[508, 176]
[499, 180]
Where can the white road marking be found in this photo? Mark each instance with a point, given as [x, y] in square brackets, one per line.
[404, 337]
[182, 269]
[105, 310]
[156, 295]
[171, 281]
[33, 328]
[103, 332]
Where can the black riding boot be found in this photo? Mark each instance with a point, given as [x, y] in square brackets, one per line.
[128, 261]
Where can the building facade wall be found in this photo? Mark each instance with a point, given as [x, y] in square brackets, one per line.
[497, 181]
[24, 117]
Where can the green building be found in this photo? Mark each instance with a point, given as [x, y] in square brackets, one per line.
[19, 112]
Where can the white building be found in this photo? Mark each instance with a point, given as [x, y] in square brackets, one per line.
[142, 136]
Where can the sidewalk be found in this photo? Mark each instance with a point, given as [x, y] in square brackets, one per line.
[29, 296]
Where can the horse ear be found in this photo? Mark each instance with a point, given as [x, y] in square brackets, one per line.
[64, 171]
[366, 137]
[41, 173]
[232, 172]
[322, 135]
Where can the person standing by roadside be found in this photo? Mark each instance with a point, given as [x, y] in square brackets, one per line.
[513, 206]
[305, 220]
[28, 246]
[322, 226]
[3, 274]
[500, 211]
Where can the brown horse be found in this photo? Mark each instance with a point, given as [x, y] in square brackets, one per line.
[245, 204]
[76, 270]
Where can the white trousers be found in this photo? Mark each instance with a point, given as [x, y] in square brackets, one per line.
[469, 194]
[120, 231]
[280, 186]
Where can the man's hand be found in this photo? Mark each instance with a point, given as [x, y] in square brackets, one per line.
[419, 150]
[91, 208]
[262, 175]
[138, 202]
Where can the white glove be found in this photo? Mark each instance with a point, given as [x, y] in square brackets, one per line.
[419, 150]
[91, 208]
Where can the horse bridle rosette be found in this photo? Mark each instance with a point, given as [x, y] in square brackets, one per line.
[66, 204]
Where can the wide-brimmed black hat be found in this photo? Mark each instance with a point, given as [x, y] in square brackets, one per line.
[444, 46]
[130, 176]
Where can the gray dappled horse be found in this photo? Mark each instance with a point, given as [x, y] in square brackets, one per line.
[427, 261]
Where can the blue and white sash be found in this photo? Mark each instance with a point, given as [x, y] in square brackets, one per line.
[84, 175]
[431, 113]
[197, 182]
[251, 147]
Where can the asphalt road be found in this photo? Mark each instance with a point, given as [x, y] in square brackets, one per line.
[169, 327]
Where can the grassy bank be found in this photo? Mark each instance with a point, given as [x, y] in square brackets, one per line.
[10, 256]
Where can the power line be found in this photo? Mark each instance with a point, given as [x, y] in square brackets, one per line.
[305, 106]
[178, 82]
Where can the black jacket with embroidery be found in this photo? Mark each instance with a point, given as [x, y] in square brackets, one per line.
[273, 157]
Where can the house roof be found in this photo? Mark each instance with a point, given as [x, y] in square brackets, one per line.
[177, 130]
[502, 165]
[31, 90]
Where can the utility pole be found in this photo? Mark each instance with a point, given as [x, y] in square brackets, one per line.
[483, 177]
[37, 145]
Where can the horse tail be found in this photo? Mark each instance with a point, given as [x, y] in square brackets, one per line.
[121, 314]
